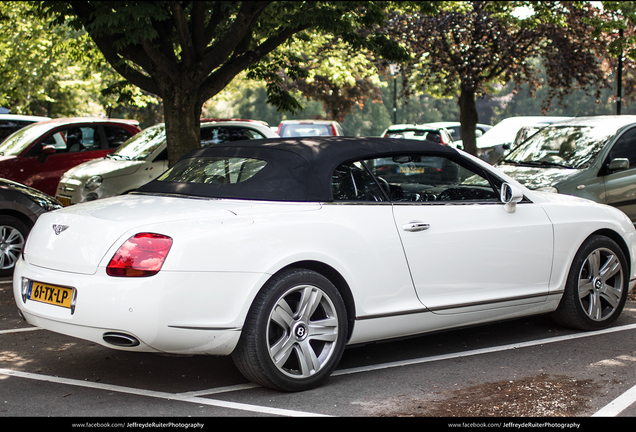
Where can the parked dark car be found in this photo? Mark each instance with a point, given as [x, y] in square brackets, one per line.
[10, 123]
[20, 206]
[37, 155]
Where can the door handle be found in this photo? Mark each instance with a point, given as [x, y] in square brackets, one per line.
[415, 226]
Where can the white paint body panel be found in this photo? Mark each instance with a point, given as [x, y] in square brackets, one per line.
[477, 254]
[225, 250]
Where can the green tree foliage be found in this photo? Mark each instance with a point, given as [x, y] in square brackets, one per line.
[465, 47]
[37, 75]
[187, 52]
[57, 71]
[334, 74]
[618, 25]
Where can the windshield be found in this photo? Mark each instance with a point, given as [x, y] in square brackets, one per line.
[567, 146]
[140, 146]
[20, 140]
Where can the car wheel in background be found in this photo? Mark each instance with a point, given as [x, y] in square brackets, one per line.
[596, 289]
[13, 233]
[295, 332]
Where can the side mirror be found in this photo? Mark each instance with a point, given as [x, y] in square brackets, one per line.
[48, 150]
[618, 164]
[510, 196]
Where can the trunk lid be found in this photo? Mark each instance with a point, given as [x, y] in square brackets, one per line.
[75, 239]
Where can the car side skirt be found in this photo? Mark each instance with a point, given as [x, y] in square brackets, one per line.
[390, 326]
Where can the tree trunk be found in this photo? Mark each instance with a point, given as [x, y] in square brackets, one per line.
[468, 118]
[183, 128]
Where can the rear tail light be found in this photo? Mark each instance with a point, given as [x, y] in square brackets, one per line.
[142, 255]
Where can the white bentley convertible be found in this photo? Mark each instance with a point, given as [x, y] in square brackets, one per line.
[281, 253]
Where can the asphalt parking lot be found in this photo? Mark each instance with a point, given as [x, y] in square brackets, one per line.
[528, 368]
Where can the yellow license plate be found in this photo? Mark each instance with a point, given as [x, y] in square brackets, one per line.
[51, 294]
[64, 201]
[412, 170]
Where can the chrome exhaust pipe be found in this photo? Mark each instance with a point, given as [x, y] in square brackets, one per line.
[120, 339]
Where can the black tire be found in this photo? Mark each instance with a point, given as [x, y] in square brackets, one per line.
[13, 233]
[307, 347]
[596, 288]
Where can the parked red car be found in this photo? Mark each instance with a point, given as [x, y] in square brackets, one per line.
[39, 154]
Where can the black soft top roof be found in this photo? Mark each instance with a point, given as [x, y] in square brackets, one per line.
[298, 169]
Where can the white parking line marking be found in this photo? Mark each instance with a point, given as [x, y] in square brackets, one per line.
[482, 351]
[19, 330]
[218, 390]
[160, 395]
[618, 405]
[610, 410]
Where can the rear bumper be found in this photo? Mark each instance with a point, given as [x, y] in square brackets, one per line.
[171, 312]
[168, 340]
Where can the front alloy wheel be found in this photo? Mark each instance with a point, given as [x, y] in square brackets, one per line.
[295, 333]
[596, 289]
[600, 284]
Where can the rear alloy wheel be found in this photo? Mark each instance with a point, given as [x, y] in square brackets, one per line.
[295, 332]
[596, 289]
[13, 233]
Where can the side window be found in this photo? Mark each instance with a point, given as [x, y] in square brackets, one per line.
[625, 147]
[209, 135]
[73, 139]
[415, 178]
[352, 182]
[221, 134]
[87, 140]
[252, 134]
[225, 134]
[238, 134]
[116, 136]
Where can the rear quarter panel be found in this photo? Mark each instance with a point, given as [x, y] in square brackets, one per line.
[359, 241]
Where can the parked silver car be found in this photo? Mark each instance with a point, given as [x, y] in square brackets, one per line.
[142, 158]
[589, 157]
